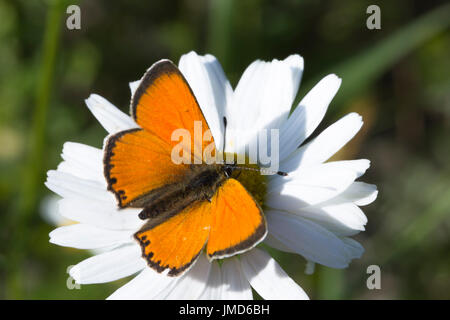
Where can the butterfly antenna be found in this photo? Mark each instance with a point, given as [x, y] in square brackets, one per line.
[224, 134]
[262, 170]
[224, 137]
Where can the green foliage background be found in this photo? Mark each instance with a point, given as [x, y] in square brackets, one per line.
[397, 78]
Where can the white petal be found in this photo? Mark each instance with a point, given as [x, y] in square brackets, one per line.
[310, 267]
[50, 212]
[214, 287]
[84, 236]
[358, 166]
[308, 114]
[325, 144]
[146, 285]
[133, 86]
[68, 185]
[273, 242]
[359, 193]
[193, 283]
[309, 187]
[354, 248]
[236, 285]
[211, 88]
[308, 239]
[82, 161]
[343, 219]
[109, 266]
[262, 99]
[267, 277]
[101, 214]
[109, 116]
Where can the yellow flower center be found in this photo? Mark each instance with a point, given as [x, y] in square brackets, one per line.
[253, 181]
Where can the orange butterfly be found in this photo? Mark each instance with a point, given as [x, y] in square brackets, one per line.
[187, 207]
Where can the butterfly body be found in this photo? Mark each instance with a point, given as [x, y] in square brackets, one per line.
[199, 184]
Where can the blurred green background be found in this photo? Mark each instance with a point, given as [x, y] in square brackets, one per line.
[398, 78]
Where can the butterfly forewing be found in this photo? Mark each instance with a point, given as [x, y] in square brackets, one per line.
[139, 161]
[164, 103]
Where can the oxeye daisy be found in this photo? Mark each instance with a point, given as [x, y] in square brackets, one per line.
[312, 210]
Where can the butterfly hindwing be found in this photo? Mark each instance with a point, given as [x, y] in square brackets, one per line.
[176, 242]
[231, 223]
[237, 221]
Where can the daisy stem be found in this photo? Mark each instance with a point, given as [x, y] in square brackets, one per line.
[330, 283]
[33, 173]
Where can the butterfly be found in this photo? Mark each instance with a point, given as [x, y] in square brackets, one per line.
[188, 208]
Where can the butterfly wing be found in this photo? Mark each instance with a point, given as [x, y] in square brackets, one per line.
[176, 243]
[164, 102]
[138, 162]
[237, 221]
[138, 167]
[232, 223]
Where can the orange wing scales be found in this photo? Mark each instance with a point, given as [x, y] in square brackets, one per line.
[176, 243]
[164, 102]
[237, 222]
[232, 223]
[137, 162]
[139, 169]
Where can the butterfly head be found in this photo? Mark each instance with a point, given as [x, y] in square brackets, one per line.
[228, 169]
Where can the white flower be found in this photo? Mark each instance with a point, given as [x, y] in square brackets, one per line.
[311, 212]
